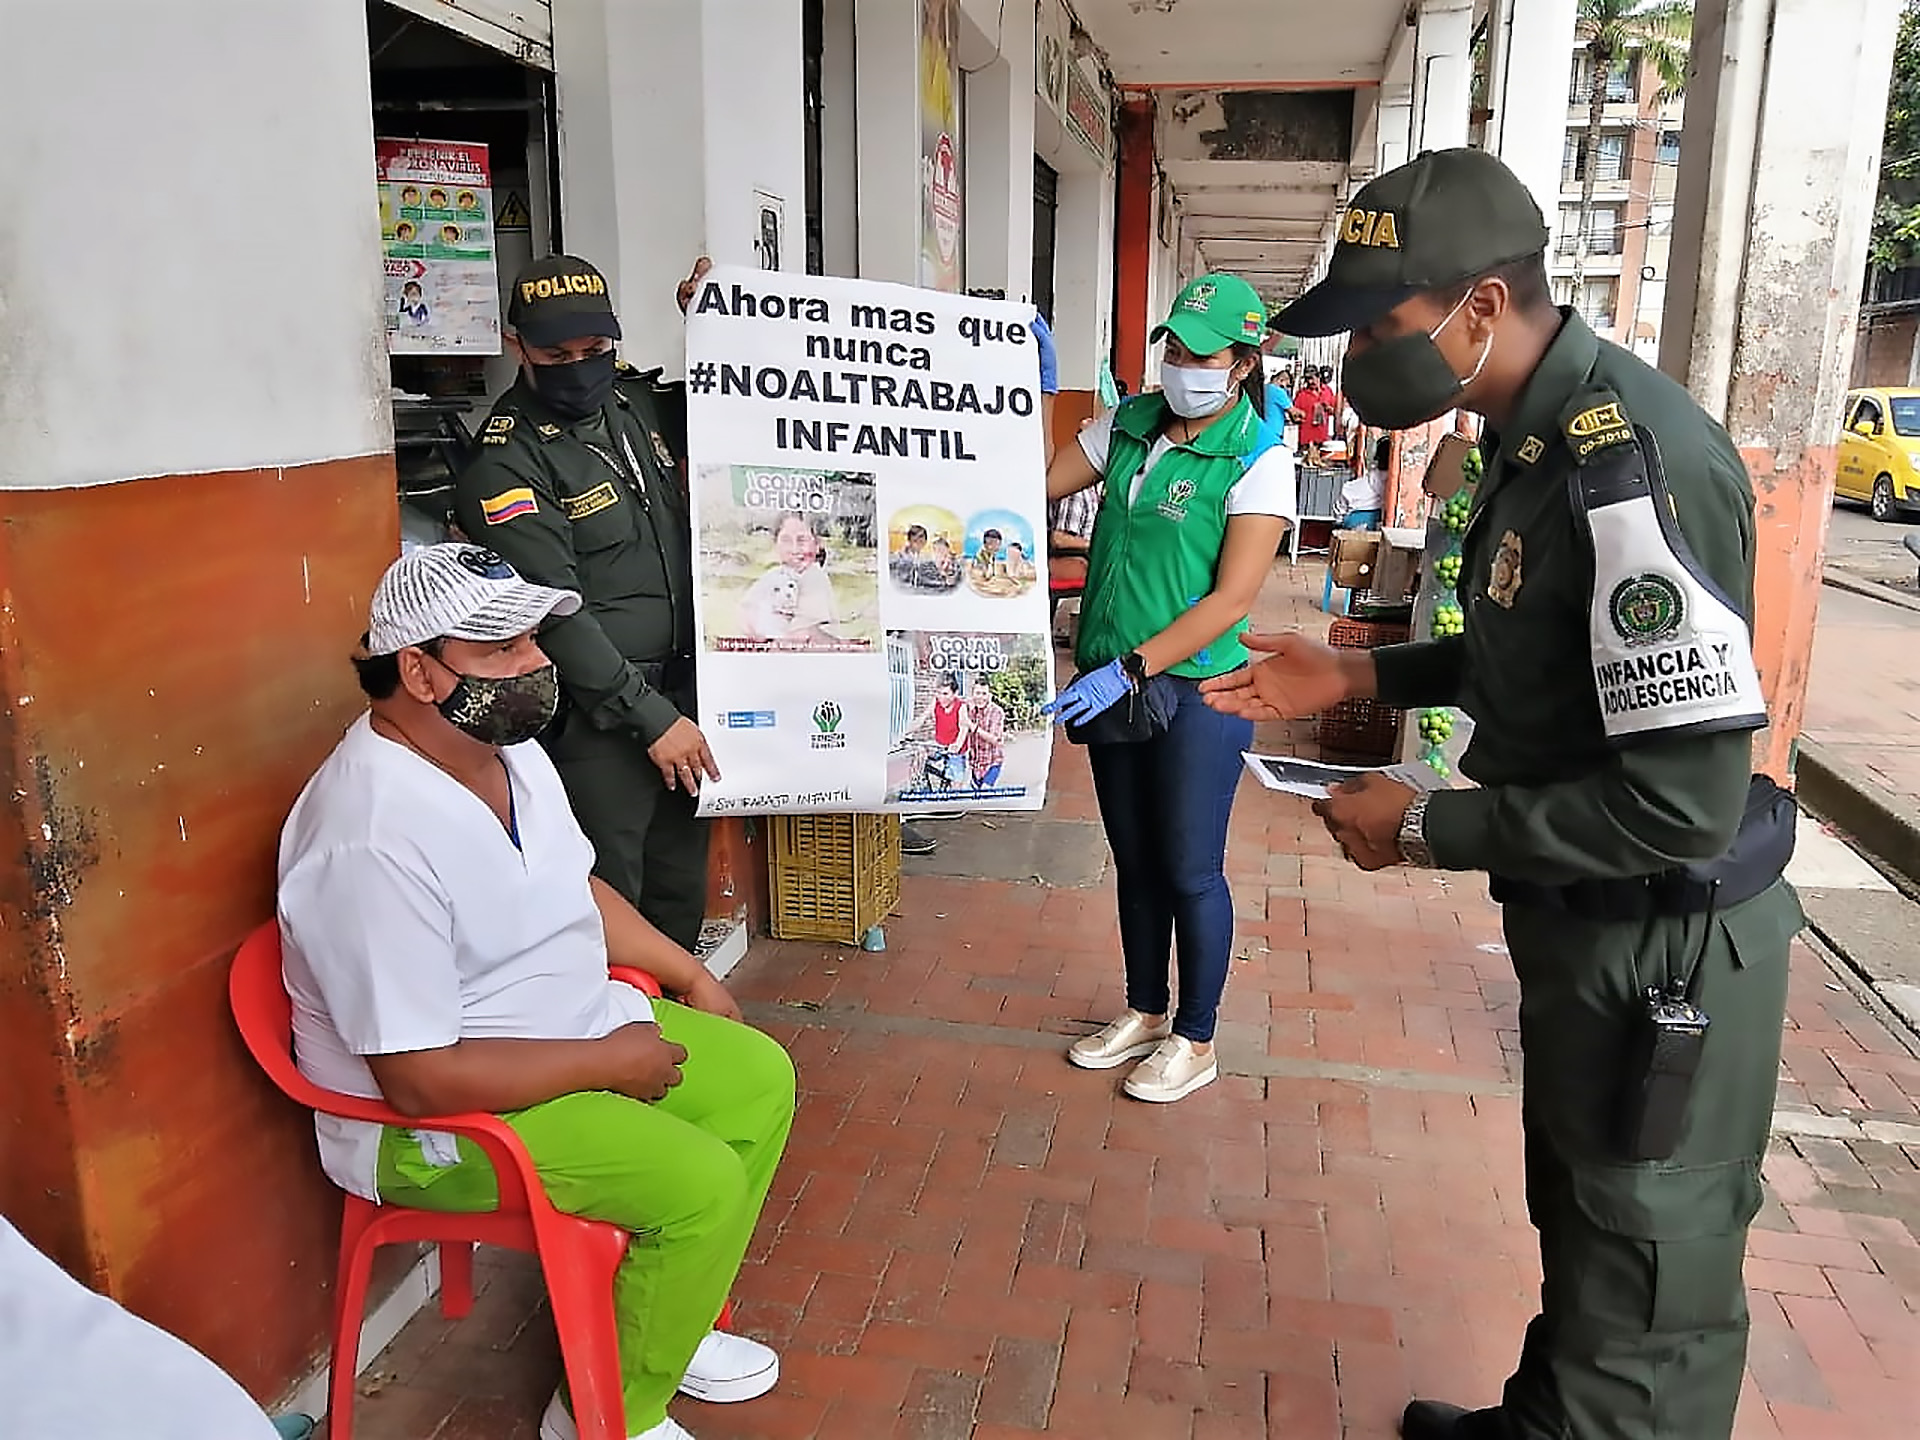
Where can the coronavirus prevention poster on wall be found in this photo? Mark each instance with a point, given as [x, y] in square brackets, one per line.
[869, 508]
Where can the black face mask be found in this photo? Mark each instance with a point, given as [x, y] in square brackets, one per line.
[1407, 381]
[503, 711]
[578, 388]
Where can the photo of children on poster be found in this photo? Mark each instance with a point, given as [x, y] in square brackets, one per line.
[973, 728]
[789, 560]
[869, 499]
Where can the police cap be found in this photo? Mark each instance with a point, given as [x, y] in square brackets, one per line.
[1448, 216]
[561, 298]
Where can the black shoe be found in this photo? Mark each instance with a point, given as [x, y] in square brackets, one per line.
[1431, 1420]
[915, 841]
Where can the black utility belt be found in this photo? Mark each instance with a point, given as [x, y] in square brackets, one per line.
[1642, 897]
[1758, 857]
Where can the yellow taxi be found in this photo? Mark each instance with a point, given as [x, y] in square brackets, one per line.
[1880, 451]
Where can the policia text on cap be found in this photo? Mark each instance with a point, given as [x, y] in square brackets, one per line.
[1637, 860]
[579, 482]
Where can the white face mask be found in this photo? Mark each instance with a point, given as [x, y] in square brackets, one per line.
[1195, 390]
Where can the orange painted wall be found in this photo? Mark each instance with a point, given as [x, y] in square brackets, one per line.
[172, 668]
[1133, 243]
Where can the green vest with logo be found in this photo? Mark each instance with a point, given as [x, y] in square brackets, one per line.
[1156, 556]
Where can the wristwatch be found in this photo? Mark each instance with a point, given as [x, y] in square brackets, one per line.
[1414, 849]
[1135, 665]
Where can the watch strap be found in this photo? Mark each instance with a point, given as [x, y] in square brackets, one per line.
[1414, 849]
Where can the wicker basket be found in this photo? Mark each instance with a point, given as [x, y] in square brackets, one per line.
[1363, 729]
[834, 877]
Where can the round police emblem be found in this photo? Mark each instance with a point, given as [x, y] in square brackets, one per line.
[1647, 608]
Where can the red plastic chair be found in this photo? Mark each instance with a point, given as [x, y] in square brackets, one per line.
[577, 1256]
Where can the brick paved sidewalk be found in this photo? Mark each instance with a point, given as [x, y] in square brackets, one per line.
[969, 1237]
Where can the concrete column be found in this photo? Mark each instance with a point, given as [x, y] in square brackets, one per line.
[1769, 248]
[725, 121]
[1442, 74]
[887, 71]
[998, 156]
[1530, 41]
[199, 495]
[1394, 128]
[1134, 238]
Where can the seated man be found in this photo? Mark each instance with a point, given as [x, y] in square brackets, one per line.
[447, 948]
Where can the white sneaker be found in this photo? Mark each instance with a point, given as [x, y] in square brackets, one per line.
[1174, 1071]
[1127, 1038]
[727, 1369]
[557, 1424]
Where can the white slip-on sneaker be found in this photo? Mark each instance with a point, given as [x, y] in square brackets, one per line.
[727, 1369]
[557, 1424]
[1127, 1038]
[1174, 1071]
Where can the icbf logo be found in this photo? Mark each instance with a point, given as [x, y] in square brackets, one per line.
[827, 716]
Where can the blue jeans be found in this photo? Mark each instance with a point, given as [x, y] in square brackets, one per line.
[1165, 803]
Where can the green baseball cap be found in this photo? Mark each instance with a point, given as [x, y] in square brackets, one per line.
[1448, 216]
[558, 299]
[1213, 312]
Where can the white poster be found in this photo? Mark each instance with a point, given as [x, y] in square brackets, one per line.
[869, 509]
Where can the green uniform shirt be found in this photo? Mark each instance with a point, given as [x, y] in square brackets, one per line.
[600, 506]
[1157, 553]
[1557, 803]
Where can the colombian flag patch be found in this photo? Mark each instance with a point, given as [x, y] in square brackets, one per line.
[508, 505]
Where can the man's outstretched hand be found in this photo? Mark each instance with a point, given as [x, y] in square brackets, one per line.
[1298, 677]
[690, 286]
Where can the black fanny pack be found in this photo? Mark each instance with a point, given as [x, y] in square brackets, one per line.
[1143, 714]
[1758, 856]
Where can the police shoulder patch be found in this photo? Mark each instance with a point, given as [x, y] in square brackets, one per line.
[499, 425]
[1594, 422]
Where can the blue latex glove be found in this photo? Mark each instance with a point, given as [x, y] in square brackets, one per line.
[1096, 691]
[1049, 356]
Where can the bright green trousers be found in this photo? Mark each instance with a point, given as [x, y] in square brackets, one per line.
[687, 1176]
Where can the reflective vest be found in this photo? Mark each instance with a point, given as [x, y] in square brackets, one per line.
[1156, 554]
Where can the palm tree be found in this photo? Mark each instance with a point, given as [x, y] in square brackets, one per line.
[1660, 32]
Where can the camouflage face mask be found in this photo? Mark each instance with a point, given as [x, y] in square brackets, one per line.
[505, 711]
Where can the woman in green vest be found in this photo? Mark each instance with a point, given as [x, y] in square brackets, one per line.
[1192, 516]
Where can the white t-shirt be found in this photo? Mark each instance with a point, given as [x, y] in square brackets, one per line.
[410, 921]
[1268, 487]
[76, 1366]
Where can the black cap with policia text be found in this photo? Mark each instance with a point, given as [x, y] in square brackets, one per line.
[561, 298]
[1448, 216]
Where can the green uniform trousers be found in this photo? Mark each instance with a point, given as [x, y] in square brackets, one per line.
[1642, 1331]
[687, 1176]
[647, 842]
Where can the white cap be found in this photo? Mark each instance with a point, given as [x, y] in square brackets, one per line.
[462, 592]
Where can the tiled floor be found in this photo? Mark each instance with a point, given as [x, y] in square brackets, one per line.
[970, 1238]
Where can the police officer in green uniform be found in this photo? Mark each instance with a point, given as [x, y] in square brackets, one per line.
[578, 482]
[1608, 585]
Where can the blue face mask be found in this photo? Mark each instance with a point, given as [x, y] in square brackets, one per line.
[1194, 391]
